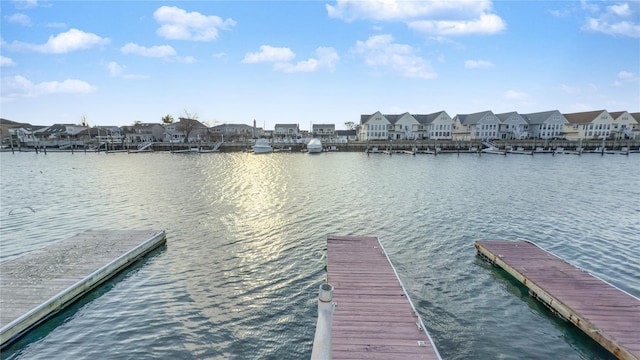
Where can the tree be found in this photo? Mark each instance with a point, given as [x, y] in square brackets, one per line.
[83, 121]
[168, 119]
[350, 125]
[187, 124]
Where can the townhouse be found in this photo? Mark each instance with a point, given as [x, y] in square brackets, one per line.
[546, 124]
[477, 126]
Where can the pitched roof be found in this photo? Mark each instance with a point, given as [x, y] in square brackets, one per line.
[428, 118]
[471, 119]
[504, 116]
[582, 117]
[539, 117]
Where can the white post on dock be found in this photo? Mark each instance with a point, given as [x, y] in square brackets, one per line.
[322, 340]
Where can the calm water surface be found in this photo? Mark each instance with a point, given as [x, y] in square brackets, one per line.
[246, 245]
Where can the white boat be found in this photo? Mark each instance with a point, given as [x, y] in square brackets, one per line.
[314, 146]
[262, 146]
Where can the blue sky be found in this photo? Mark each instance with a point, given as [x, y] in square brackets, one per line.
[304, 62]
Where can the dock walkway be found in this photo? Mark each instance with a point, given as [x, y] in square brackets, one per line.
[374, 317]
[41, 283]
[605, 313]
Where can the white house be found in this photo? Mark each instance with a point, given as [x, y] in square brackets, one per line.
[546, 125]
[374, 127]
[286, 133]
[625, 125]
[325, 132]
[588, 125]
[513, 126]
[404, 126]
[343, 136]
[482, 125]
[440, 125]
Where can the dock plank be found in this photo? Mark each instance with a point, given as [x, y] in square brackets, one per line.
[373, 317]
[607, 314]
[41, 283]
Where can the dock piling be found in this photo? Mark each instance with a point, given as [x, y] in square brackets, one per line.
[322, 340]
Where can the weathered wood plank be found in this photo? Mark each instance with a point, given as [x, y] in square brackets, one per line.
[41, 283]
[605, 313]
[373, 318]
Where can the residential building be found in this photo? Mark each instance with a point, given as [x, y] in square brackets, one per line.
[588, 125]
[625, 125]
[143, 132]
[186, 130]
[403, 126]
[324, 132]
[482, 126]
[439, 125]
[286, 133]
[235, 132]
[343, 136]
[512, 126]
[546, 124]
[374, 127]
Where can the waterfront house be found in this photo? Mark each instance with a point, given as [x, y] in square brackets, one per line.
[143, 132]
[512, 126]
[374, 127]
[439, 125]
[235, 132]
[343, 136]
[624, 125]
[482, 126]
[588, 125]
[404, 126]
[286, 133]
[324, 132]
[186, 130]
[635, 132]
[546, 124]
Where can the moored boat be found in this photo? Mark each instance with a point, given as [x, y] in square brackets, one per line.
[262, 146]
[314, 146]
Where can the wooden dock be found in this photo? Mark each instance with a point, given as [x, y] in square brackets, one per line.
[43, 282]
[373, 317]
[605, 313]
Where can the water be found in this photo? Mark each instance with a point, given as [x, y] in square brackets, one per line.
[246, 245]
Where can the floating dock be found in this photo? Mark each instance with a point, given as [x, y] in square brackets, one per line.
[43, 282]
[607, 314]
[373, 317]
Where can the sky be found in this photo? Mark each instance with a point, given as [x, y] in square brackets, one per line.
[114, 63]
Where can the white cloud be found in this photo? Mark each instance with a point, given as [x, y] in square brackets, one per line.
[20, 87]
[459, 17]
[327, 59]
[478, 64]
[177, 24]
[162, 51]
[282, 56]
[485, 24]
[623, 75]
[381, 51]
[25, 4]
[619, 19]
[118, 71]
[269, 54]
[19, 18]
[515, 95]
[5, 61]
[65, 42]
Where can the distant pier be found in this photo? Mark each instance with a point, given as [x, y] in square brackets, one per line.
[39, 284]
[607, 314]
[373, 317]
